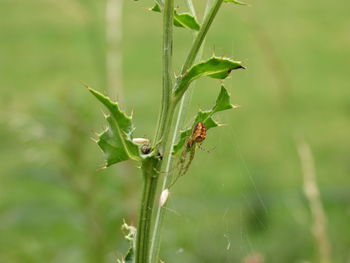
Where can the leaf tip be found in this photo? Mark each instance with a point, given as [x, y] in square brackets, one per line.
[155, 8]
[85, 85]
[94, 92]
[222, 124]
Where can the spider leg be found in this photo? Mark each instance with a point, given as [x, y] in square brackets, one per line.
[205, 149]
[192, 152]
[181, 165]
[182, 161]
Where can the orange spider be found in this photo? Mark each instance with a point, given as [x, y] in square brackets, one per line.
[198, 136]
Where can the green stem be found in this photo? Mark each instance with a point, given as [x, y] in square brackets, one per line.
[147, 245]
[152, 165]
[150, 168]
[167, 72]
[143, 236]
[196, 46]
[201, 36]
[208, 20]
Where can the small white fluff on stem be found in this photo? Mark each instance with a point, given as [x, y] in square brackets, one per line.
[163, 197]
[140, 141]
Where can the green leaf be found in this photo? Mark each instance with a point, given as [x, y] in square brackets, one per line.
[222, 103]
[218, 68]
[116, 140]
[156, 8]
[131, 237]
[235, 2]
[129, 258]
[186, 20]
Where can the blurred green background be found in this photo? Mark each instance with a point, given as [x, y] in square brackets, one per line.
[243, 198]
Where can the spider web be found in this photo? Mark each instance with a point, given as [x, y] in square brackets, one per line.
[235, 241]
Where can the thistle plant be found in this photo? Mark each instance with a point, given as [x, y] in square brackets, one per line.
[155, 156]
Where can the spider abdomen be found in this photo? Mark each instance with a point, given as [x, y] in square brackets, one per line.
[198, 134]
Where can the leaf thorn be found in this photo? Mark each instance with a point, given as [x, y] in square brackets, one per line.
[236, 106]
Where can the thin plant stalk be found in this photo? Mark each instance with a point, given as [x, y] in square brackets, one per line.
[192, 9]
[312, 193]
[167, 104]
[184, 98]
[95, 39]
[208, 20]
[113, 52]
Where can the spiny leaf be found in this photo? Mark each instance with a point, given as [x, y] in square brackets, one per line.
[222, 103]
[215, 67]
[184, 20]
[116, 140]
[235, 2]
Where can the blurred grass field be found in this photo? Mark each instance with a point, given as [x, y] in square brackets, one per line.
[243, 197]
